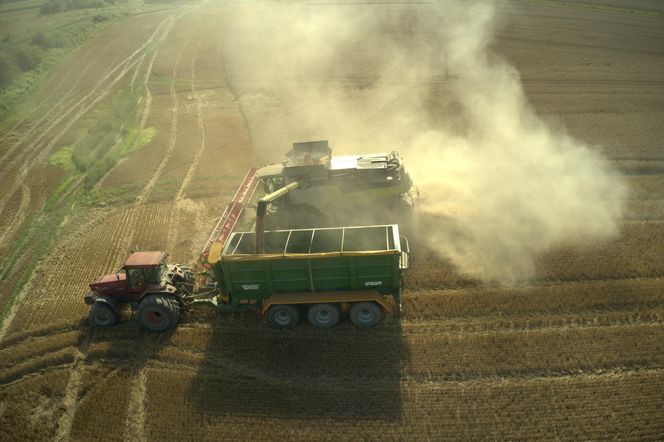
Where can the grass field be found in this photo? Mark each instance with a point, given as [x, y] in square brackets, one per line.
[139, 138]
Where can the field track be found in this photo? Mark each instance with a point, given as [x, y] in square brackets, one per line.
[575, 354]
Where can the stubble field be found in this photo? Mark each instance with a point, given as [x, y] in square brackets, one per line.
[575, 354]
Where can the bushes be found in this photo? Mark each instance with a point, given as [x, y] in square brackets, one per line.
[56, 6]
[111, 135]
[48, 41]
[51, 7]
[98, 18]
[27, 59]
[6, 72]
[14, 60]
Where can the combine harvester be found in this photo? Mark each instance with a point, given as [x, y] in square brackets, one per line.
[323, 273]
[343, 190]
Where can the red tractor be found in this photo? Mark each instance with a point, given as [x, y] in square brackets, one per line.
[157, 291]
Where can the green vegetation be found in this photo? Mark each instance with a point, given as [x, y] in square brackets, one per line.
[35, 43]
[56, 6]
[7, 73]
[107, 135]
[26, 59]
[111, 133]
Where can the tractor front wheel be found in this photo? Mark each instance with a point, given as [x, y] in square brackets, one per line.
[102, 315]
[159, 313]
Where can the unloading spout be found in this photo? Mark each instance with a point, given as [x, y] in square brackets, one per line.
[261, 210]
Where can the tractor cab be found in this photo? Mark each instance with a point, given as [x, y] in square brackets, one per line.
[145, 269]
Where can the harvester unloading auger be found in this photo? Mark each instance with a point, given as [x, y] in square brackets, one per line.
[324, 273]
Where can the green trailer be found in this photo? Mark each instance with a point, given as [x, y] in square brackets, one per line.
[323, 273]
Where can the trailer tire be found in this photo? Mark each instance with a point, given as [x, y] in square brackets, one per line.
[283, 316]
[159, 313]
[323, 315]
[365, 314]
[102, 315]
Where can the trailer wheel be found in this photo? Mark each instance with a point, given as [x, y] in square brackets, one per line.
[159, 313]
[323, 315]
[365, 314]
[102, 315]
[283, 316]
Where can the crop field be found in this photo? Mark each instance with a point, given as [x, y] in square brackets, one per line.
[139, 138]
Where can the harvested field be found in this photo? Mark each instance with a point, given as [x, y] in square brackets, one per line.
[190, 100]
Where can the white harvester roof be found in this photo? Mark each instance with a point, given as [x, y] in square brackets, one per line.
[364, 161]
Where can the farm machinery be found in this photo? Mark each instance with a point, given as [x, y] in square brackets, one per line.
[341, 190]
[157, 291]
[322, 273]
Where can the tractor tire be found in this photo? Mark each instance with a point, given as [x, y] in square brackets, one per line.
[102, 315]
[185, 284]
[283, 316]
[324, 315]
[158, 313]
[365, 314]
[188, 274]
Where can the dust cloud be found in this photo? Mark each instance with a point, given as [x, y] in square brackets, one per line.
[498, 186]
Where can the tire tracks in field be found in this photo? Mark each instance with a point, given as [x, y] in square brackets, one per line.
[21, 214]
[34, 152]
[141, 199]
[145, 348]
[26, 116]
[60, 103]
[71, 401]
[73, 390]
[46, 151]
[135, 422]
[226, 365]
[147, 105]
[201, 126]
[175, 104]
[81, 107]
[173, 224]
[520, 323]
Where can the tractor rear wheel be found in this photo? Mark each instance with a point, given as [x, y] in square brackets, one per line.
[324, 315]
[159, 313]
[283, 316]
[102, 315]
[365, 314]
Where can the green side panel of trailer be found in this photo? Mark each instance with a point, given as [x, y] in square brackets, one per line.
[317, 260]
